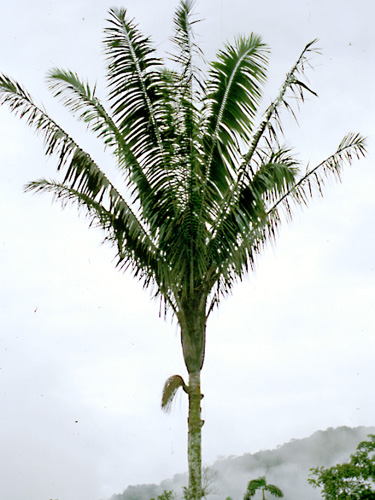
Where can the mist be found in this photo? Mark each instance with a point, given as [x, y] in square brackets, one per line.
[287, 467]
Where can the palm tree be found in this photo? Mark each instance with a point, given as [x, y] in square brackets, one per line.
[205, 188]
[261, 484]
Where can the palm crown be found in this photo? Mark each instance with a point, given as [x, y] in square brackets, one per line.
[261, 484]
[205, 186]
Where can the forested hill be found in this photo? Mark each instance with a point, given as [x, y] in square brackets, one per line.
[287, 467]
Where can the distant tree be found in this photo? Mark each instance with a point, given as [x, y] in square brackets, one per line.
[209, 476]
[261, 484]
[206, 182]
[166, 495]
[353, 480]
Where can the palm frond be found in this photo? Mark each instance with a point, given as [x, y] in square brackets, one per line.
[231, 101]
[272, 120]
[255, 157]
[183, 37]
[254, 486]
[170, 389]
[267, 173]
[184, 232]
[80, 169]
[84, 182]
[274, 490]
[261, 484]
[271, 194]
[137, 96]
[133, 76]
[79, 97]
[352, 146]
[235, 238]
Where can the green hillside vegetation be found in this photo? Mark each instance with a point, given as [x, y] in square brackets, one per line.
[351, 480]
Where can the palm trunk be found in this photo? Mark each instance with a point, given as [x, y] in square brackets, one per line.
[195, 438]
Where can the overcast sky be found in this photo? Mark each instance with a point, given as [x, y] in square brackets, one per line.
[83, 354]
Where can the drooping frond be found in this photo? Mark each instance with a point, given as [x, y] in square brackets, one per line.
[79, 166]
[274, 491]
[85, 183]
[79, 97]
[352, 146]
[135, 249]
[170, 389]
[269, 197]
